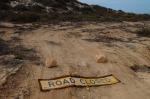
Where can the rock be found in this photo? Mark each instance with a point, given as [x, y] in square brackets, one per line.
[51, 63]
[6, 25]
[101, 58]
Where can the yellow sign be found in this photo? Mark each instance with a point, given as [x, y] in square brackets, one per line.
[63, 82]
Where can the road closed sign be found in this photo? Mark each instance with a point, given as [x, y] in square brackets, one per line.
[68, 81]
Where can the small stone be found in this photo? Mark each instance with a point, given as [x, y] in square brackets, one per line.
[101, 58]
[51, 63]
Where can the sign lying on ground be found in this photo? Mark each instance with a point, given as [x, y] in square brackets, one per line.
[75, 81]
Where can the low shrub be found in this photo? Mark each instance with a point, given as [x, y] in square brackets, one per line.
[4, 47]
[25, 17]
[140, 68]
[19, 51]
[144, 32]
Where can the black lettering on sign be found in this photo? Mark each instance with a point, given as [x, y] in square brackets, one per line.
[58, 82]
[100, 80]
[87, 82]
[72, 80]
[82, 81]
[51, 84]
[92, 81]
[108, 80]
[66, 82]
[105, 80]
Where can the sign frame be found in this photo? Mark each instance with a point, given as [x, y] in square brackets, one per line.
[77, 76]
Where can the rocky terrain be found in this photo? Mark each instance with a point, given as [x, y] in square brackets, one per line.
[44, 39]
[28, 52]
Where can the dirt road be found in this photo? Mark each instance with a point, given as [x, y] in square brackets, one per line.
[75, 46]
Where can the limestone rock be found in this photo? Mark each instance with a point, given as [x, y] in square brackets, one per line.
[100, 58]
[51, 63]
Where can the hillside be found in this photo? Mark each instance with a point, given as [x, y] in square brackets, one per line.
[61, 10]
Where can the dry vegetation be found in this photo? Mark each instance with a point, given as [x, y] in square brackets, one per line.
[145, 32]
[36, 13]
[20, 52]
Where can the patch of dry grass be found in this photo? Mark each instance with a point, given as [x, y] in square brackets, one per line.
[140, 68]
[144, 32]
[20, 53]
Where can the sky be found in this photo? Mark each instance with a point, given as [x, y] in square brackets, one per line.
[136, 6]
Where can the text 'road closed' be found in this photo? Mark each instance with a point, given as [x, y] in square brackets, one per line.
[63, 82]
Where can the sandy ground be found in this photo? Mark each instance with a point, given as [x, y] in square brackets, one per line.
[75, 47]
